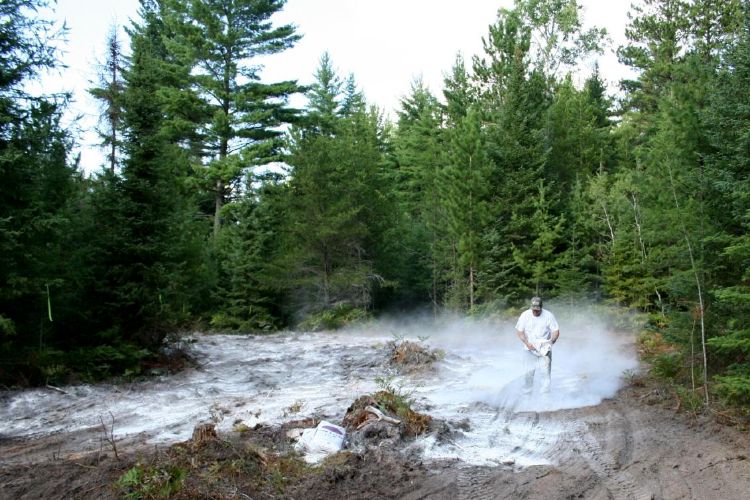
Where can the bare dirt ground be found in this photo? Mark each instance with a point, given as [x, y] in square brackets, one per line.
[635, 445]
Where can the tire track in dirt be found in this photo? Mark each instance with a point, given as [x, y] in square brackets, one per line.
[476, 483]
[601, 441]
[626, 453]
[481, 482]
[619, 483]
[592, 445]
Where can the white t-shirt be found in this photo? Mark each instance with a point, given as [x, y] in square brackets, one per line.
[538, 329]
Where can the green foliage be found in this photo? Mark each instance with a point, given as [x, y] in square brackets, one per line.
[734, 389]
[513, 103]
[518, 183]
[536, 261]
[419, 247]
[247, 292]
[340, 316]
[560, 40]
[668, 365]
[251, 320]
[394, 400]
[141, 482]
[110, 95]
[103, 361]
[238, 115]
[144, 265]
[37, 200]
[7, 328]
[464, 192]
[690, 401]
[393, 397]
[335, 211]
[735, 343]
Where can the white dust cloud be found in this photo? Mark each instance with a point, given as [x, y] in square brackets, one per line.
[484, 360]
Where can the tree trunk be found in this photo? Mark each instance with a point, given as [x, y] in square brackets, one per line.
[471, 288]
[219, 202]
[699, 287]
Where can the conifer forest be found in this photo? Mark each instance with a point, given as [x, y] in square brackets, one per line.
[222, 207]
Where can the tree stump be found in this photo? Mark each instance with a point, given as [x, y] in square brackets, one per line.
[203, 433]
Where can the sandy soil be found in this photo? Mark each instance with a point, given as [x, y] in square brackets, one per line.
[636, 445]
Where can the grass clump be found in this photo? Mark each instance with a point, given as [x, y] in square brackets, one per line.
[141, 481]
[394, 400]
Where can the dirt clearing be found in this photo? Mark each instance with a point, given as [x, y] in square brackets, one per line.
[470, 435]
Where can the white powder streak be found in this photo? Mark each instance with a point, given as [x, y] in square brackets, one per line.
[262, 378]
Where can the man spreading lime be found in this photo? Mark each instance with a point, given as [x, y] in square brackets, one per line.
[538, 330]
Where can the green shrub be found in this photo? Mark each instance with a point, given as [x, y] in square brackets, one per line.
[106, 360]
[667, 365]
[257, 319]
[734, 388]
[689, 400]
[7, 327]
[155, 482]
[334, 318]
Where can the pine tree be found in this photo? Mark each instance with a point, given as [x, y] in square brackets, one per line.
[249, 292]
[537, 261]
[656, 34]
[514, 99]
[579, 129]
[458, 92]
[352, 100]
[221, 40]
[525, 51]
[324, 96]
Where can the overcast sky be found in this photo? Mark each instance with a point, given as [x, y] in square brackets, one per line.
[386, 44]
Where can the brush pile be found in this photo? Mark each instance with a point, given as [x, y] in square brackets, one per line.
[411, 356]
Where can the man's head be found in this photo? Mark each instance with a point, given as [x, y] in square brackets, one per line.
[536, 305]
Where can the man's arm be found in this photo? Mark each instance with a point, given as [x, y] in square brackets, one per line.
[525, 340]
[554, 336]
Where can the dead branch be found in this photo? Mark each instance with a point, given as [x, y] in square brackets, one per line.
[109, 434]
[382, 416]
[56, 389]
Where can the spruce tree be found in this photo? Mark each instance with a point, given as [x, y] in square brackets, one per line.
[148, 265]
[416, 176]
[728, 119]
[109, 94]
[465, 197]
[513, 99]
[249, 292]
[335, 208]
[37, 197]
[324, 95]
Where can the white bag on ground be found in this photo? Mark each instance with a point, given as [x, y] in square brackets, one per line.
[325, 438]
